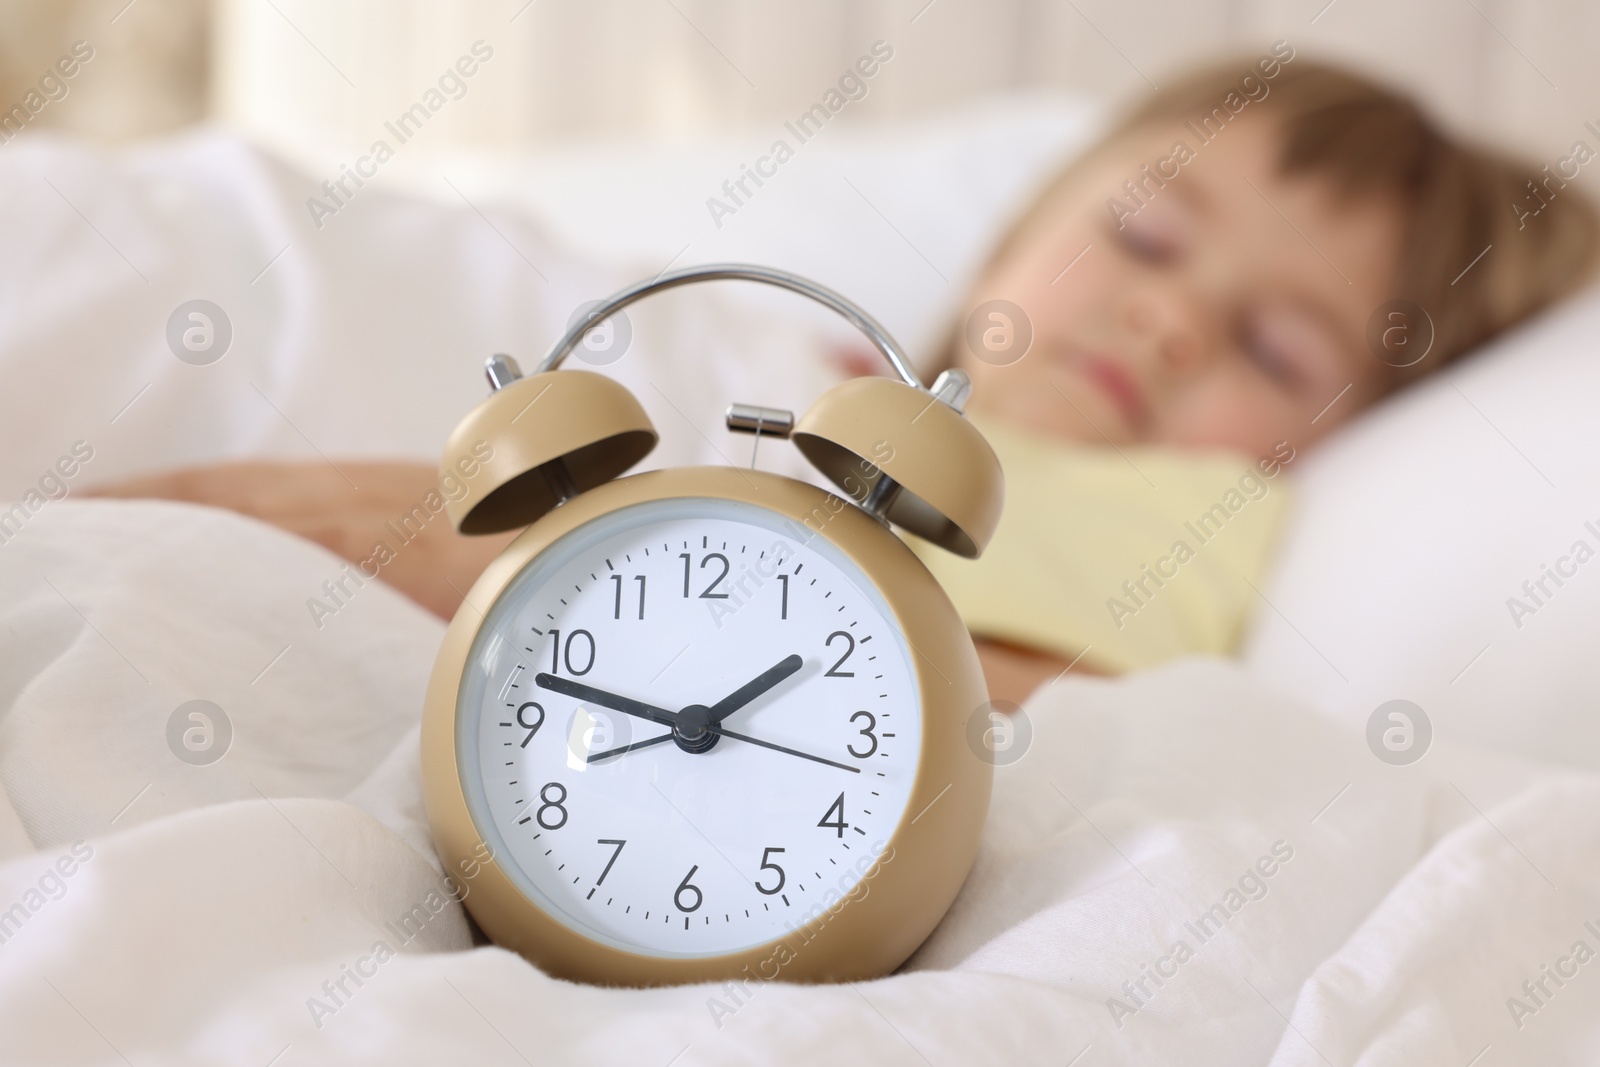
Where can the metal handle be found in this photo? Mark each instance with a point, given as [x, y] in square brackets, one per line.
[858, 318]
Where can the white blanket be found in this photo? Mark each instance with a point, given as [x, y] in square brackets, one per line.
[157, 912]
[207, 906]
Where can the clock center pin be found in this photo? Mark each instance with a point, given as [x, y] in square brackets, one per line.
[690, 733]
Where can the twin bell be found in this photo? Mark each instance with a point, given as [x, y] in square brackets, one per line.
[557, 433]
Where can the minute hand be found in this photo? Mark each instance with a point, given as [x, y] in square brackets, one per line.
[626, 705]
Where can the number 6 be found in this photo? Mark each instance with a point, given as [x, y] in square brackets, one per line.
[685, 887]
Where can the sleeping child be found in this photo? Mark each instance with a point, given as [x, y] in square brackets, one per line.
[1247, 260]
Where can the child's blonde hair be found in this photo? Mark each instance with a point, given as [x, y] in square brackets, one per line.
[1457, 199]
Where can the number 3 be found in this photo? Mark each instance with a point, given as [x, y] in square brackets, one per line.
[866, 731]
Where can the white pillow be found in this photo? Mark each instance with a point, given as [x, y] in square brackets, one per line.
[897, 217]
[1418, 525]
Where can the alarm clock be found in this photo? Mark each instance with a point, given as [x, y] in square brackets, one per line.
[710, 722]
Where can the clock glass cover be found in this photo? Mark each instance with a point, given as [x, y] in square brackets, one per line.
[688, 727]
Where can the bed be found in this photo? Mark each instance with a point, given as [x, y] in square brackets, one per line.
[1203, 863]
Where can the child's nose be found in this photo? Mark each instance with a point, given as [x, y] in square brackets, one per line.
[1173, 336]
[1182, 352]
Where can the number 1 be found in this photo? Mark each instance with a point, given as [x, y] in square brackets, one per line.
[784, 611]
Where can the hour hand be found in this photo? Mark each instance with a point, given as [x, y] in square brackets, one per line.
[626, 705]
[755, 687]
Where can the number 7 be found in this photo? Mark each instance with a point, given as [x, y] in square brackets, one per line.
[613, 859]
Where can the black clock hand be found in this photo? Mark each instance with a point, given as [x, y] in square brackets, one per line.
[754, 688]
[593, 757]
[626, 705]
[779, 748]
[629, 706]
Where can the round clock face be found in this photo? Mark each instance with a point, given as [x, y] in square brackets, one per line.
[688, 728]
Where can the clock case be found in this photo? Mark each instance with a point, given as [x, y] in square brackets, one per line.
[561, 440]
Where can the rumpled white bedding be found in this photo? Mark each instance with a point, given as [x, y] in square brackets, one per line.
[207, 906]
[209, 910]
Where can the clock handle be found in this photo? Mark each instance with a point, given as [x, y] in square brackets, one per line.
[900, 450]
[869, 326]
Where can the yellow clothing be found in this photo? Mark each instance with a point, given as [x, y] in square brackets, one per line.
[1131, 558]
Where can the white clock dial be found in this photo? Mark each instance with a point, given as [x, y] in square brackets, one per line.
[713, 834]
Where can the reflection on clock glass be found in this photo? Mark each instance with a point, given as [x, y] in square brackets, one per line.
[689, 727]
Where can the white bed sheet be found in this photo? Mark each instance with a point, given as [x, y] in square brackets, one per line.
[218, 900]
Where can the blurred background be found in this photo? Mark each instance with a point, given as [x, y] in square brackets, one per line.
[606, 127]
[612, 122]
[320, 76]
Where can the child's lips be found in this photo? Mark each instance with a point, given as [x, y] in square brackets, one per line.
[1119, 385]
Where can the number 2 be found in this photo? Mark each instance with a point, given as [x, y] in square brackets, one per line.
[834, 671]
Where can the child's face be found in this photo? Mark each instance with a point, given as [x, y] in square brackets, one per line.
[1230, 310]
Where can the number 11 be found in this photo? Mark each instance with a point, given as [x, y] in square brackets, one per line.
[616, 610]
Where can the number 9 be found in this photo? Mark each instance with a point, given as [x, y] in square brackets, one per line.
[531, 727]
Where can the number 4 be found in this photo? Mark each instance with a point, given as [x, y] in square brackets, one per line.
[836, 807]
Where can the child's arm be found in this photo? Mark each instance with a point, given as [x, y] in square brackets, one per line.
[1014, 672]
[434, 567]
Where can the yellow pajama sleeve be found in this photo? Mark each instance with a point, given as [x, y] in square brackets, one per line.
[1130, 557]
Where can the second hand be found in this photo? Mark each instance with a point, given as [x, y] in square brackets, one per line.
[597, 756]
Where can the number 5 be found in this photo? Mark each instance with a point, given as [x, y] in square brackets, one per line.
[765, 866]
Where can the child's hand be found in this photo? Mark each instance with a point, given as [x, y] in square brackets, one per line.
[434, 567]
[858, 361]
[1014, 673]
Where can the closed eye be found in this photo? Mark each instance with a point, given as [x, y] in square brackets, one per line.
[1146, 240]
[1273, 362]
[1290, 347]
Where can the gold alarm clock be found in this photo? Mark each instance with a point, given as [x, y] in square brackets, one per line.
[710, 722]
